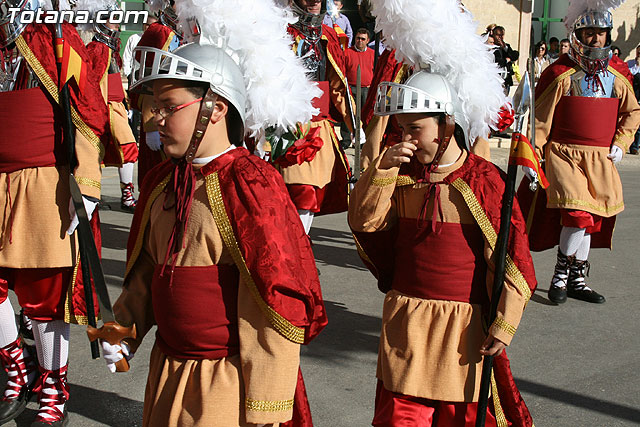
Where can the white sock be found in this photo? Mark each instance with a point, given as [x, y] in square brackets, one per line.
[583, 251]
[306, 216]
[8, 328]
[52, 343]
[126, 173]
[571, 239]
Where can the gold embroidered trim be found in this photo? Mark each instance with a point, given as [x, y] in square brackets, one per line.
[268, 405]
[490, 234]
[403, 180]
[69, 316]
[382, 182]
[143, 224]
[621, 77]
[553, 85]
[342, 78]
[280, 324]
[621, 137]
[501, 419]
[52, 88]
[88, 182]
[568, 203]
[503, 325]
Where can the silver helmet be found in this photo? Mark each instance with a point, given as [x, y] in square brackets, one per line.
[104, 34]
[423, 92]
[194, 62]
[169, 17]
[591, 59]
[10, 28]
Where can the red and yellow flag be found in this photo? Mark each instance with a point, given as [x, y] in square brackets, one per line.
[343, 38]
[72, 64]
[523, 154]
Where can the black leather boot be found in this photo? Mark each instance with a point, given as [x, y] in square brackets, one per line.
[18, 368]
[576, 286]
[558, 289]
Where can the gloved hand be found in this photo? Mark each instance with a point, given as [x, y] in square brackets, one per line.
[153, 141]
[89, 206]
[615, 154]
[530, 173]
[113, 353]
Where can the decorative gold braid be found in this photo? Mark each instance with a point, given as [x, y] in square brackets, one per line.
[490, 234]
[52, 88]
[268, 405]
[338, 71]
[620, 137]
[88, 182]
[562, 203]
[382, 182]
[69, 316]
[280, 324]
[503, 325]
[143, 223]
[553, 84]
[621, 77]
[403, 180]
[501, 419]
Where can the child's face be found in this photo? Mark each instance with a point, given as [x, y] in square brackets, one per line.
[422, 131]
[176, 128]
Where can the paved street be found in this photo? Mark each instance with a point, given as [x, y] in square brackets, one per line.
[576, 364]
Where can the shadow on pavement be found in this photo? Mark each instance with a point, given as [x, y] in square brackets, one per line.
[331, 254]
[540, 299]
[113, 269]
[347, 332]
[580, 400]
[114, 236]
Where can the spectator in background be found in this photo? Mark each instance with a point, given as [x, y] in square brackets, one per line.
[341, 21]
[634, 67]
[359, 54]
[504, 56]
[554, 48]
[565, 45]
[541, 60]
[615, 50]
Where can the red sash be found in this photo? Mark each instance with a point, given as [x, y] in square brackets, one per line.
[585, 121]
[116, 91]
[197, 315]
[34, 138]
[420, 270]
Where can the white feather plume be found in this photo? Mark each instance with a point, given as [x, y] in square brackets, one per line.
[443, 35]
[48, 5]
[278, 91]
[578, 7]
[93, 7]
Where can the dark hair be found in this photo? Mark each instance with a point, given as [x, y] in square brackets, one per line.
[458, 133]
[553, 39]
[616, 47]
[363, 31]
[565, 41]
[498, 28]
[235, 129]
[539, 45]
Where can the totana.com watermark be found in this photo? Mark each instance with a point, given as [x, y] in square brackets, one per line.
[77, 16]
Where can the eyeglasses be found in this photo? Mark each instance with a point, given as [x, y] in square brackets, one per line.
[166, 112]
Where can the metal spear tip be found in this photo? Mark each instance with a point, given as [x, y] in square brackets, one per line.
[523, 95]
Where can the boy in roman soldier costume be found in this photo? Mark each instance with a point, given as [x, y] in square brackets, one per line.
[38, 250]
[438, 206]
[104, 50]
[217, 256]
[162, 34]
[318, 184]
[586, 116]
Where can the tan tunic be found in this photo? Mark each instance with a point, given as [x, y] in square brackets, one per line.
[255, 386]
[429, 348]
[582, 177]
[319, 171]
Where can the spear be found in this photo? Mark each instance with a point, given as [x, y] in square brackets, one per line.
[521, 99]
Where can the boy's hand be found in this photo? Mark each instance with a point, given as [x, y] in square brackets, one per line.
[492, 346]
[398, 154]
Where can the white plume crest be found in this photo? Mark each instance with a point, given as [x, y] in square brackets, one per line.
[93, 7]
[578, 7]
[417, 30]
[278, 90]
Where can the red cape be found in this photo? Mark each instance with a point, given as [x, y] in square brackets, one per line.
[487, 184]
[89, 102]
